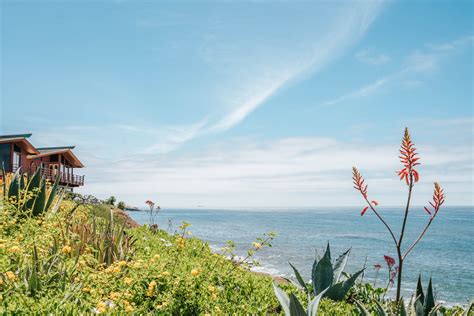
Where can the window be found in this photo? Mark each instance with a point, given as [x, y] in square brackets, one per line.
[5, 158]
[16, 157]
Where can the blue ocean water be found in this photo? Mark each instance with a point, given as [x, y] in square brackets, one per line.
[446, 253]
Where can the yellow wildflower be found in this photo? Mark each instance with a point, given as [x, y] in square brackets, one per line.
[128, 281]
[66, 249]
[10, 275]
[165, 273]
[211, 288]
[157, 257]
[14, 249]
[151, 288]
[257, 245]
[122, 263]
[129, 308]
[101, 307]
[195, 272]
[214, 296]
[86, 289]
[114, 296]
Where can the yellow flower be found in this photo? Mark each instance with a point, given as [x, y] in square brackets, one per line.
[257, 245]
[128, 281]
[101, 307]
[122, 263]
[86, 289]
[165, 273]
[10, 275]
[14, 249]
[211, 288]
[195, 272]
[151, 288]
[157, 257]
[66, 249]
[1, 281]
[214, 296]
[116, 270]
[114, 296]
[128, 308]
[77, 279]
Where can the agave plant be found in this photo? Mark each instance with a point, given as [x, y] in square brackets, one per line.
[419, 305]
[31, 196]
[293, 307]
[327, 278]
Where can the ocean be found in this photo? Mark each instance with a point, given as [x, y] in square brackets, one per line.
[446, 253]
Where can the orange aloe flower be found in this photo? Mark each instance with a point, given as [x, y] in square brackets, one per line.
[409, 160]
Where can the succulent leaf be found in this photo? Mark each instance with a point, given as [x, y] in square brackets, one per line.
[323, 274]
[299, 278]
[296, 309]
[282, 297]
[429, 303]
[340, 265]
[314, 304]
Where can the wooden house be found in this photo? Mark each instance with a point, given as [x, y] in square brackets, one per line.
[16, 151]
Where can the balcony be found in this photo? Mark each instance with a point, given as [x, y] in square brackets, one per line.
[65, 179]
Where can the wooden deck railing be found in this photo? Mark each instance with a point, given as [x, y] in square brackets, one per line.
[51, 175]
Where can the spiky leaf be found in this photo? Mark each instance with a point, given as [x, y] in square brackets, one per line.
[299, 277]
[33, 187]
[282, 297]
[323, 274]
[338, 291]
[419, 291]
[52, 194]
[296, 309]
[14, 188]
[313, 305]
[362, 308]
[40, 200]
[401, 310]
[429, 302]
[340, 265]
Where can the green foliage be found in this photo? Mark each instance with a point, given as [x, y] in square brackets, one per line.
[293, 307]
[328, 278]
[31, 196]
[111, 200]
[121, 205]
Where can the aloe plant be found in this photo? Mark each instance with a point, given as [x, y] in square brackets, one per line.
[327, 278]
[31, 196]
[293, 307]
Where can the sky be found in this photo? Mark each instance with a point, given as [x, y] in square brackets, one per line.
[230, 104]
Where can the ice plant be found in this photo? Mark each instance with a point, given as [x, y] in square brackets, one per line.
[409, 159]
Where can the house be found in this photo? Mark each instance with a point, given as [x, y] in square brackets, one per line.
[17, 152]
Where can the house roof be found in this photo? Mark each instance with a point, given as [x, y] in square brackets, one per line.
[46, 149]
[67, 153]
[20, 139]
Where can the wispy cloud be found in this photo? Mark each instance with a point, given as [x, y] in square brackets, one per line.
[416, 63]
[367, 57]
[290, 171]
[313, 55]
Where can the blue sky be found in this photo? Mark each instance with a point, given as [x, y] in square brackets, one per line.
[229, 104]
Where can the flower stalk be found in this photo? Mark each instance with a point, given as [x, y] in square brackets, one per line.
[409, 159]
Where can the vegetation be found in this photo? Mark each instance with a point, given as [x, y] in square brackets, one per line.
[121, 205]
[64, 253]
[410, 159]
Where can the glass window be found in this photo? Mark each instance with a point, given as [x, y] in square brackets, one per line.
[5, 156]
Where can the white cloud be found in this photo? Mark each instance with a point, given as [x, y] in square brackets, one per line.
[367, 57]
[417, 63]
[284, 172]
